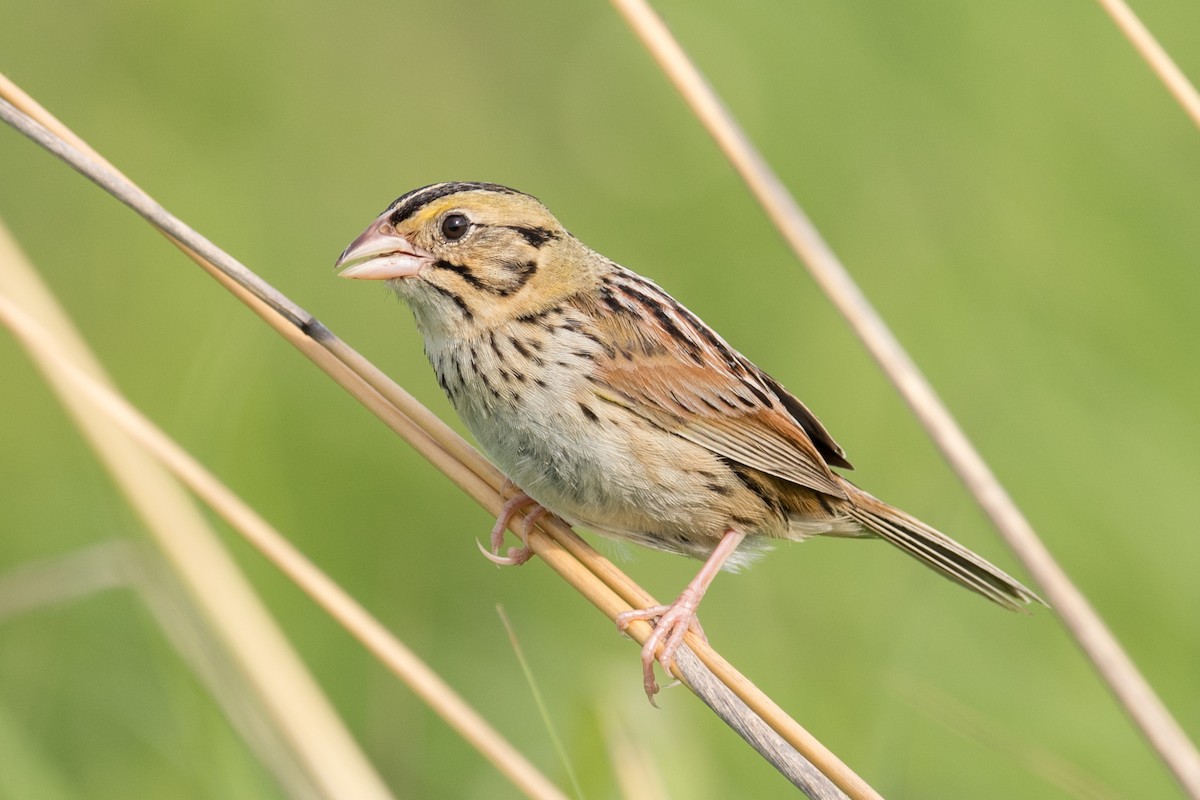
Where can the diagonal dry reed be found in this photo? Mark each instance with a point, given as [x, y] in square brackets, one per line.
[331, 597]
[1090, 632]
[1159, 60]
[795, 752]
[138, 566]
[295, 704]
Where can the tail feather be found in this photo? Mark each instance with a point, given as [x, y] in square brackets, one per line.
[940, 552]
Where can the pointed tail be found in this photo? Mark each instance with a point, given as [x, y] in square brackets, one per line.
[938, 551]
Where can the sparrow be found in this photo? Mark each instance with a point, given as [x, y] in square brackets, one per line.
[611, 405]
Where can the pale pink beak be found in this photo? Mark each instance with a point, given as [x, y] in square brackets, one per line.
[380, 253]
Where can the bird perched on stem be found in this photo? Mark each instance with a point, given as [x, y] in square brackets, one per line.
[611, 405]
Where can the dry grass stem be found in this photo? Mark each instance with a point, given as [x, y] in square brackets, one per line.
[1091, 633]
[588, 572]
[137, 566]
[1163, 65]
[331, 597]
[294, 702]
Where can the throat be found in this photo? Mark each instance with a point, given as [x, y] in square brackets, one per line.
[479, 375]
[520, 370]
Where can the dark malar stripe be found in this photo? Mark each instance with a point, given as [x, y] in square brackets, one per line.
[522, 271]
[463, 272]
[458, 301]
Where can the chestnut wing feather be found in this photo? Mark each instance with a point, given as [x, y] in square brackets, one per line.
[689, 382]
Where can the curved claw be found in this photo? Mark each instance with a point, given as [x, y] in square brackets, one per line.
[516, 555]
[515, 558]
[672, 622]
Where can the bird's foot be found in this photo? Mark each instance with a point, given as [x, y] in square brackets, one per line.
[673, 621]
[516, 555]
[670, 624]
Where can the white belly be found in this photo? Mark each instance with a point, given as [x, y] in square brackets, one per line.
[611, 473]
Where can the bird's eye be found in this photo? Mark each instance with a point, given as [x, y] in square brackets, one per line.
[455, 226]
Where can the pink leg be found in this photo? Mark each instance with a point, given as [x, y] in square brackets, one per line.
[673, 621]
[516, 555]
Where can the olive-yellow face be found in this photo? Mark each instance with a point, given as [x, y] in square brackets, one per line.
[467, 252]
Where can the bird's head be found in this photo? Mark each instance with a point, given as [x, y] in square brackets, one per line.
[471, 254]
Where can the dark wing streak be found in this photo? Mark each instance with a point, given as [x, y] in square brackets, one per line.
[722, 404]
[830, 450]
[757, 446]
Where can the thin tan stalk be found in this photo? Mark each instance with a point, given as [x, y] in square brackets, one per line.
[1081, 620]
[291, 697]
[1163, 65]
[138, 566]
[781, 740]
[280, 552]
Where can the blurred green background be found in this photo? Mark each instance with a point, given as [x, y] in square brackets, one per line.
[1008, 182]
